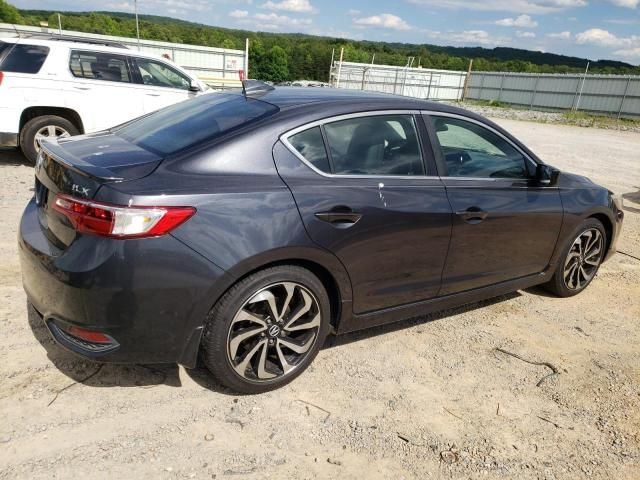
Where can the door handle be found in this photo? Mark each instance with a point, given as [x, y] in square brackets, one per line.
[472, 215]
[339, 217]
[153, 94]
[82, 88]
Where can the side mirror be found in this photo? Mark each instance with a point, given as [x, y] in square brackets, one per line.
[546, 176]
[194, 86]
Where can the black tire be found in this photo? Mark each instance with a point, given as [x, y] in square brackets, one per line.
[558, 284]
[29, 130]
[219, 329]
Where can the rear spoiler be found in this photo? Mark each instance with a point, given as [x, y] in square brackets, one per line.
[53, 149]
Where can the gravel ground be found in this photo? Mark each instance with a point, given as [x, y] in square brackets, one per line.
[426, 398]
[514, 113]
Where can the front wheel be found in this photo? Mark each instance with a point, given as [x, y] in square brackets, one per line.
[580, 261]
[266, 330]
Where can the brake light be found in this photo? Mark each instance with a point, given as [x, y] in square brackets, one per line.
[1, 77]
[119, 221]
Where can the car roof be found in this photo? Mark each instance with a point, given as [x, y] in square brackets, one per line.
[292, 97]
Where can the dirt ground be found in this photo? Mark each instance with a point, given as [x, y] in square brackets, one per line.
[427, 398]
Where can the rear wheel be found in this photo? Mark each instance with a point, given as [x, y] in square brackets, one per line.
[41, 128]
[266, 330]
[581, 259]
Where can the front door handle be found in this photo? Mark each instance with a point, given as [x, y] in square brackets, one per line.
[472, 215]
[340, 217]
[81, 88]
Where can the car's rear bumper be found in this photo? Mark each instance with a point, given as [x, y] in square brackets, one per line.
[151, 296]
[8, 139]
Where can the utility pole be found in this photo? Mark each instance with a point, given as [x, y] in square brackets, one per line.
[59, 25]
[582, 86]
[135, 3]
[340, 67]
[466, 80]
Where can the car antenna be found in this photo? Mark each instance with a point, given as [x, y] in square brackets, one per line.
[251, 88]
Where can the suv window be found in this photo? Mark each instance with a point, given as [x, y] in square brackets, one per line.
[310, 145]
[375, 145]
[99, 66]
[159, 74]
[189, 123]
[23, 58]
[470, 150]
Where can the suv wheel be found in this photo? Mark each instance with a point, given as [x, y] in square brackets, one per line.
[40, 128]
[581, 259]
[266, 330]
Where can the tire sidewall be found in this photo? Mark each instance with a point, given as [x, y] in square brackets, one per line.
[215, 336]
[29, 130]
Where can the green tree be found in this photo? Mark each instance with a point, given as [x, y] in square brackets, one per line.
[9, 13]
[277, 68]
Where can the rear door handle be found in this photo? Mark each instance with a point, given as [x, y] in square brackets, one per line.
[472, 215]
[340, 217]
[82, 88]
[153, 94]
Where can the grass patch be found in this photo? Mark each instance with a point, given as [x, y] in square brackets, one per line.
[583, 119]
[488, 103]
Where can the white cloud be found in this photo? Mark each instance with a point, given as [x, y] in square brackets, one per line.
[626, 46]
[384, 20]
[467, 37]
[353, 12]
[626, 3]
[273, 19]
[523, 21]
[519, 6]
[297, 6]
[239, 14]
[560, 35]
[520, 34]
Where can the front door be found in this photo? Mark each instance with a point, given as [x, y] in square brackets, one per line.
[505, 226]
[367, 198]
[162, 85]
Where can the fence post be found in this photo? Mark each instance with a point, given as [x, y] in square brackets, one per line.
[340, 67]
[395, 82]
[535, 90]
[429, 87]
[484, 74]
[624, 97]
[501, 85]
[582, 87]
[467, 80]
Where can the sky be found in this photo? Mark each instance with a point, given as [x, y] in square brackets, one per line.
[594, 29]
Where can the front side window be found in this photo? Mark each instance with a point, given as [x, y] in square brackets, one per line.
[470, 150]
[375, 145]
[23, 58]
[159, 74]
[99, 66]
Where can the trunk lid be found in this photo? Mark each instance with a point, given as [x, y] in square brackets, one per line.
[79, 167]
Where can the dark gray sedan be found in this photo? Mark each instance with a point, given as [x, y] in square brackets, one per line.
[246, 227]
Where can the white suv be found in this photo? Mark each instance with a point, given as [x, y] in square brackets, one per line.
[62, 86]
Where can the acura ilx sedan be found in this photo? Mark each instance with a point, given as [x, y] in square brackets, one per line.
[243, 228]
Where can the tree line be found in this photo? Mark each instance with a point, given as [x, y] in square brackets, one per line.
[281, 57]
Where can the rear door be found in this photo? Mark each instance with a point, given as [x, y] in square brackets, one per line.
[103, 89]
[160, 84]
[365, 193]
[505, 225]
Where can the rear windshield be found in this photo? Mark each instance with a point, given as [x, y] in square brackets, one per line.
[23, 58]
[189, 123]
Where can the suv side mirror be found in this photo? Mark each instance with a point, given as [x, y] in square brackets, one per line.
[194, 86]
[546, 176]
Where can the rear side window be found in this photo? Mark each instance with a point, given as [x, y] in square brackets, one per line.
[375, 145]
[158, 74]
[99, 66]
[191, 122]
[310, 145]
[23, 58]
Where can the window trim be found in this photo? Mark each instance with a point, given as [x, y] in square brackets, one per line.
[284, 138]
[124, 59]
[438, 149]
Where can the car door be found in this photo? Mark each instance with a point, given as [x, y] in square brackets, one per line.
[161, 84]
[505, 224]
[102, 89]
[364, 193]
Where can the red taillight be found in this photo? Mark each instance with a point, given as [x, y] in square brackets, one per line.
[89, 335]
[1, 77]
[119, 221]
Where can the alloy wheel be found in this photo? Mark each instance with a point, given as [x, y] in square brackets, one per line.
[48, 131]
[272, 333]
[583, 259]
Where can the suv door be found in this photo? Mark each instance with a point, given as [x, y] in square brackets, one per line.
[162, 84]
[102, 89]
[505, 225]
[365, 194]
